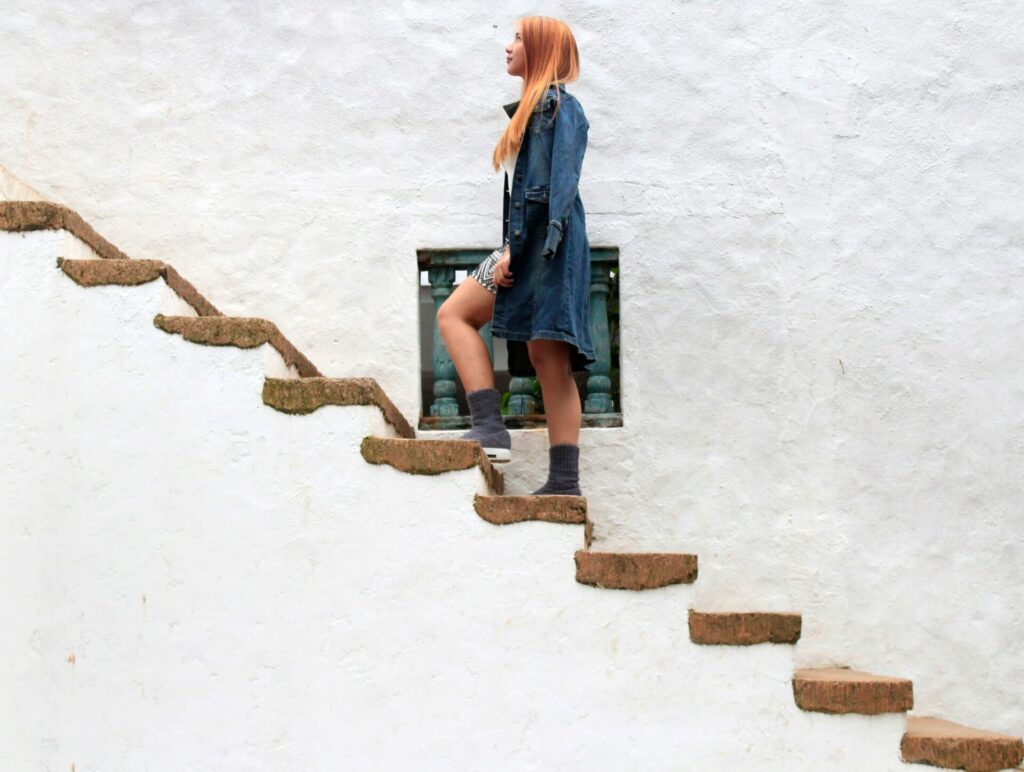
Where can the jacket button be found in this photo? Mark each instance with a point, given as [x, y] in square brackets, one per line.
[517, 232]
[517, 204]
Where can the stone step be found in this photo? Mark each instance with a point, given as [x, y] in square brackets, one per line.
[304, 395]
[635, 570]
[841, 690]
[432, 457]
[241, 332]
[953, 746]
[743, 628]
[94, 273]
[126, 272]
[21, 216]
[502, 510]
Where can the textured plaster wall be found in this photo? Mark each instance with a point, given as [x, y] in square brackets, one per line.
[818, 212]
[13, 189]
[205, 583]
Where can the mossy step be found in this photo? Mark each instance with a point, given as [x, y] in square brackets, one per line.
[127, 272]
[953, 746]
[22, 216]
[242, 332]
[432, 457]
[840, 690]
[743, 628]
[635, 570]
[304, 395]
[94, 273]
[502, 510]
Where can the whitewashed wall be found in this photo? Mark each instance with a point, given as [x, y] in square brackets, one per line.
[14, 189]
[205, 583]
[818, 212]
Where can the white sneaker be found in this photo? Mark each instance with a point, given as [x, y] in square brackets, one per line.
[499, 455]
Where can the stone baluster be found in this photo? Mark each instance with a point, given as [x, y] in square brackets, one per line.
[521, 401]
[599, 384]
[441, 280]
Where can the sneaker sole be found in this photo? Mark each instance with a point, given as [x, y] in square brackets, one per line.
[498, 455]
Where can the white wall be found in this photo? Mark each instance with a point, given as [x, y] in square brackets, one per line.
[205, 583]
[817, 210]
[13, 189]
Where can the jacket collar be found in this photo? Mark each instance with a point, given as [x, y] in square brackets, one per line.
[511, 107]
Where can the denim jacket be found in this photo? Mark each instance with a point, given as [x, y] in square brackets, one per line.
[545, 227]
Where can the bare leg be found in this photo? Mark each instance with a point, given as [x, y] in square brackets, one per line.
[460, 317]
[551, 360]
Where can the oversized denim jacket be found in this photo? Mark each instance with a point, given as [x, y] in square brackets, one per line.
[545, 227]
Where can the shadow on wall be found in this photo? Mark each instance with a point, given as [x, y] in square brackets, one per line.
[13, 189]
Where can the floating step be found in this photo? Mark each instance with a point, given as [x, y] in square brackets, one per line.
[20, 216]
[432, 457]
[94, 273]
[953, 746]
[241, 332]
[304, 395]
[840, 690]
[237, 331]
[502, 510]
[635, 570]
[744, 628]
[126, 272]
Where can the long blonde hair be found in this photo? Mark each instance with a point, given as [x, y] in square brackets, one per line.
[551, 57]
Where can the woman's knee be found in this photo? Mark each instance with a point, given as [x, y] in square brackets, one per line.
[469, 306]
[447, 317]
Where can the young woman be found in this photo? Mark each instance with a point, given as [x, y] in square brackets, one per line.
[536, 287]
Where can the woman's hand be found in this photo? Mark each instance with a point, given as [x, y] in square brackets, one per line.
[502, 275]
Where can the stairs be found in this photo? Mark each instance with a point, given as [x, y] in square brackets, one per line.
[238, 332]
[743, 628]
[432, 457]
[504, 510]
[634, 571]
[840, 690]
[125, 272]
[835, 691]
[952, 746]
[300, 397]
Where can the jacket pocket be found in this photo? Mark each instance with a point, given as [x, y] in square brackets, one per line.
[536, 215]
[538, 193]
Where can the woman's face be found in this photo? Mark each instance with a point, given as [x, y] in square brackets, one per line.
[515, 55]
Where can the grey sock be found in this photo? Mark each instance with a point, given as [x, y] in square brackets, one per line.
[488, 428]
[563, 472]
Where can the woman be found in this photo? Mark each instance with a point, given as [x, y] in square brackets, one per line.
[536, 288]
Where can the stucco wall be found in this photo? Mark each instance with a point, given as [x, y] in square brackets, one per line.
[13, 189]
[205, 583]
[817, 210]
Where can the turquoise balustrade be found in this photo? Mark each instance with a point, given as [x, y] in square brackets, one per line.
[599, 383]
[598, 405]
[442, 279]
